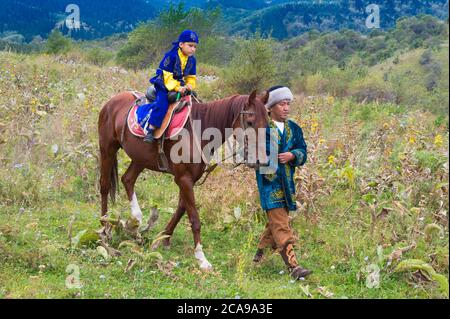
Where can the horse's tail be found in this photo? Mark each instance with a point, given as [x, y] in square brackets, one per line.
[109, 175]
[114, 179]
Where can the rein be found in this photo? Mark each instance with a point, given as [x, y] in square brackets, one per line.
[212, 167]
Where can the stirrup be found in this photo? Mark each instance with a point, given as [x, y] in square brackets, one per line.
[149, 138]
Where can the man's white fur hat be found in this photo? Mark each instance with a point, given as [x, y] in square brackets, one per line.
[278, 94]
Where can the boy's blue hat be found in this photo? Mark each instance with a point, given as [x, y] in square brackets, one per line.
[187, 36]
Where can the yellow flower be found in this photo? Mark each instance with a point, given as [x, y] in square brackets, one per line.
[314, 126]
[412, 140]
[330, 100]
[322, 141]
[331, 159]
[438, 140]
[385, 126]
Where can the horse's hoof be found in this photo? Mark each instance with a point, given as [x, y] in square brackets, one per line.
[206, 266]
[166, 243]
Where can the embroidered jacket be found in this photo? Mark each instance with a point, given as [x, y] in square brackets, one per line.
[277, 190]
[175, 70]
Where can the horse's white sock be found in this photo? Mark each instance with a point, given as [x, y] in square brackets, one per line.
[135, 209]
[202, 261]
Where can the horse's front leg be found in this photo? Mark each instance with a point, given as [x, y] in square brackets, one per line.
[186, 184]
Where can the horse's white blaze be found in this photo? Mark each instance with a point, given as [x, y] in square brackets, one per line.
[135, 209]
[202, 261]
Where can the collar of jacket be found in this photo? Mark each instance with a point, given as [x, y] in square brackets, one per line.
[183, 59]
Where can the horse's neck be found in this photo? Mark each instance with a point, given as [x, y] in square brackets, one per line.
[219, 115]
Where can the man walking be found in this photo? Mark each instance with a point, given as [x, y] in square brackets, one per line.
[277, 189]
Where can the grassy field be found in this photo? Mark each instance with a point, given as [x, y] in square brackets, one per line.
[373, 199]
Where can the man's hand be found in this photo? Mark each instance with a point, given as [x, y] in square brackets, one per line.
[286, 157]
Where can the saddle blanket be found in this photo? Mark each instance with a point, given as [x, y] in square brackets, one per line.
[173, 123]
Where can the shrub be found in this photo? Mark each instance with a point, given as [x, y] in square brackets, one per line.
[57, 43]
[373, 89]
[99, 56]
[252, 67]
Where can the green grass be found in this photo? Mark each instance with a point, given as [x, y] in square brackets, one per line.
[325, 247]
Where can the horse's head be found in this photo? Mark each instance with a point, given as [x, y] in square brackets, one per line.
[251, 128]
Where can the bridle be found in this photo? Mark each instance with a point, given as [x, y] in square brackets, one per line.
[241, 117]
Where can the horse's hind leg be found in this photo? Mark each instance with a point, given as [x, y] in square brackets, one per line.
[174, 222]
[108, 174]
[129, 180]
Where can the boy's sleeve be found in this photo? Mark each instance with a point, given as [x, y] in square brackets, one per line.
[300, 148]
[170, 83]
[191, 80]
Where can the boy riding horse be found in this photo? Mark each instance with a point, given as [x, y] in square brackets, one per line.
[176, 73]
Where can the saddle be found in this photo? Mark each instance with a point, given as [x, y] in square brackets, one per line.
[174, 121]
[151, 95]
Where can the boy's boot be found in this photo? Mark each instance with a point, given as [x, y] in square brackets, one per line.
[149, 138]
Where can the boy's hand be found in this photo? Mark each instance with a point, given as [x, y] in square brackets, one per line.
[189, 87]
[286, 157]
[182, 90]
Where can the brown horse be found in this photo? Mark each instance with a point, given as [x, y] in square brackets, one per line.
[239, 111]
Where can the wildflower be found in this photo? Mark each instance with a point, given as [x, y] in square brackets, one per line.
[438, 140]
[331, 160]
[330, 100]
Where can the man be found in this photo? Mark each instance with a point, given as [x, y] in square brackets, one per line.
[277, 189]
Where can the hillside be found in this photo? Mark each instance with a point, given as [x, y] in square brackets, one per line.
[294, 18]
[99, 18]
[22, 20]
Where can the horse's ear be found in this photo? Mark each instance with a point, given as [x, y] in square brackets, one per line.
[265, 97]
[252, 97]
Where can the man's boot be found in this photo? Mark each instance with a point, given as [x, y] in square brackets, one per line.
[149, 138]
[258, 256]
[290, 260]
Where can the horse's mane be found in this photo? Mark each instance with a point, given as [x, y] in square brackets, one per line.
[222, 113]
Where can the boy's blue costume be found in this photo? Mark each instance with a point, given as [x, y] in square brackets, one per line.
[154, 113]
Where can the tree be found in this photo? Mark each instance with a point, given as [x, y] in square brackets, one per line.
[147, 43]
[57, 43]
[253, 66]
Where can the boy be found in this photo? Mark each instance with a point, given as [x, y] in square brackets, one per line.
[177, 72]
